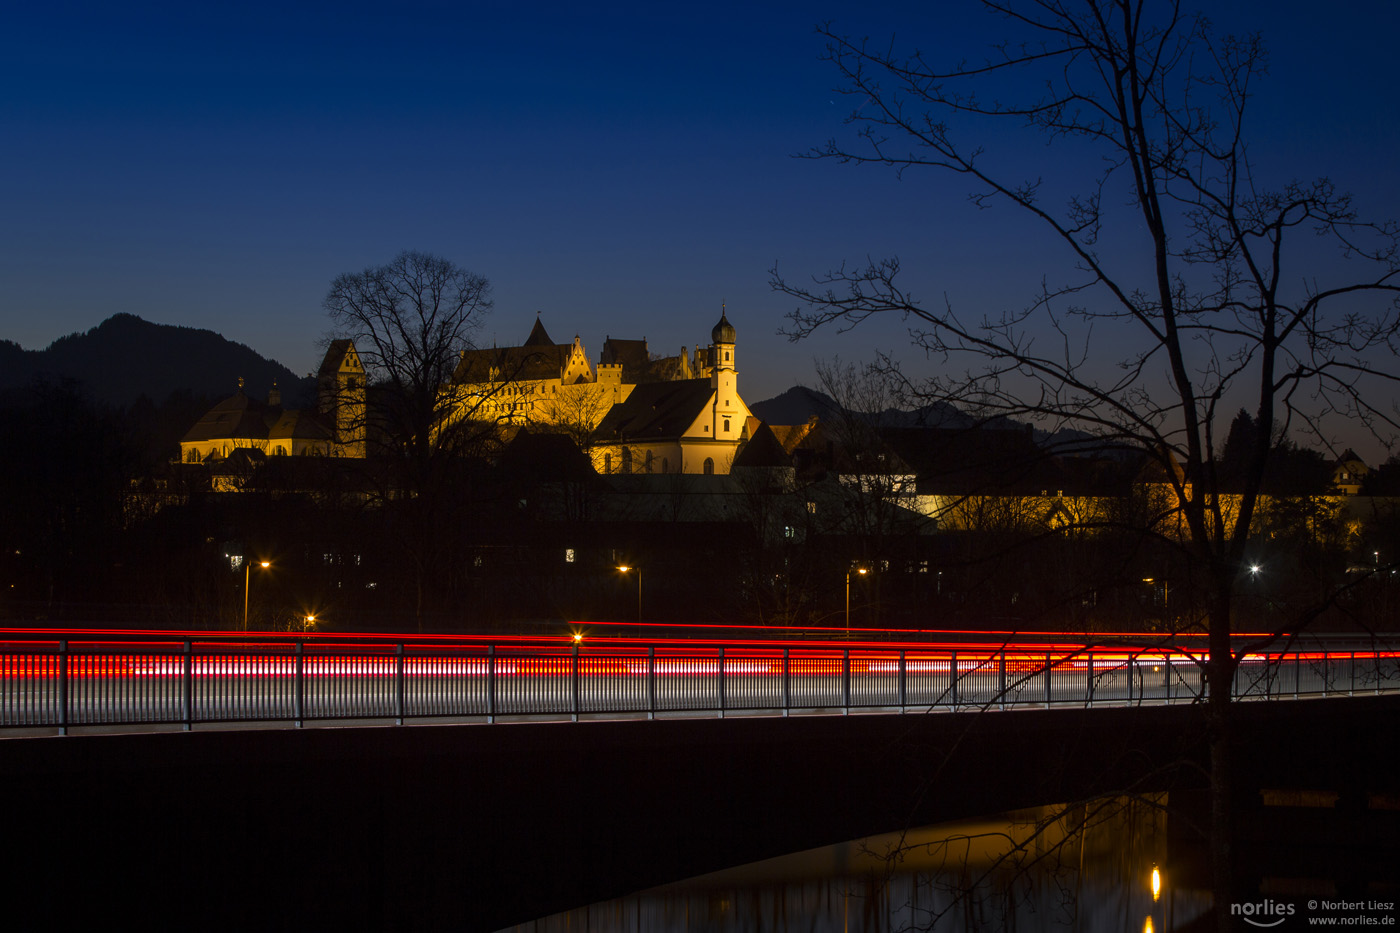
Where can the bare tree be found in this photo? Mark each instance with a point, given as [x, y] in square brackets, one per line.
[576, 411]
[410, 320]
[1220, 298]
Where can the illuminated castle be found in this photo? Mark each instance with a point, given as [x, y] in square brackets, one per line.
[635, 413]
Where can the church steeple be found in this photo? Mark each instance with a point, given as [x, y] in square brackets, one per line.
[727, 423]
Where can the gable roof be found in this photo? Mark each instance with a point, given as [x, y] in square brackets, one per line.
[657, 410]
[335, 354]
[762, 450]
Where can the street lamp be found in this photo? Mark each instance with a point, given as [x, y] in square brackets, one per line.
[247, 579]
[624, 568]
[860, 571]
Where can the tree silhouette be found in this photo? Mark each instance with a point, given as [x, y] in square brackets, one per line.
[1218, 301]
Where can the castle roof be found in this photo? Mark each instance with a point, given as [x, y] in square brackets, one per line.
[536, 358]
[657, 410]
[538, 336]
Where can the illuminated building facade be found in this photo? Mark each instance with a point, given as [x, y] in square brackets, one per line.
[334, 428]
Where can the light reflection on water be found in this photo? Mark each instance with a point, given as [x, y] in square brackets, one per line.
[1086, 867]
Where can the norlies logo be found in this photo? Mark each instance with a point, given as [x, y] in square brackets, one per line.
[1259, 914]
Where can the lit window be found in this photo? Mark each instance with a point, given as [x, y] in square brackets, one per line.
[568, 555]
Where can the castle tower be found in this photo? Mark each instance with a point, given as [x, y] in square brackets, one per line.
[340, 397]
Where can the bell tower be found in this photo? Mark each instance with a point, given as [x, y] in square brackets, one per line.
[341, 397]
[728, 410]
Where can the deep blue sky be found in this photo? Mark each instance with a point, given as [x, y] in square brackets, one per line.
[620, 170]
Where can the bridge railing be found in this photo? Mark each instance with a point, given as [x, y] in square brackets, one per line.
[91, 680]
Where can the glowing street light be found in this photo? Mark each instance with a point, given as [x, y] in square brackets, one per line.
[861, 571]
[624, 568]
[247, 579]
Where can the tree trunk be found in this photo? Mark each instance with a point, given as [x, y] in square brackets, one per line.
[1220, 674]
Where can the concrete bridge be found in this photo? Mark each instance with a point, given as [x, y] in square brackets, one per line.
[475, 827]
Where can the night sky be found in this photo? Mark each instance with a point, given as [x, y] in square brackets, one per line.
[620, 170]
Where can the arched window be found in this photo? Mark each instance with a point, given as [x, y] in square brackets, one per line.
[709, 466]
[627, 460]
[726, 424]
[648, 466]
[665, 464]
[607, 463]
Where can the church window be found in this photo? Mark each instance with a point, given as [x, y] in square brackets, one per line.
[627, 460]
[726, 355]
[607, 463]
[709, 466]
[648, 467]
[665, 464]
[726, 424]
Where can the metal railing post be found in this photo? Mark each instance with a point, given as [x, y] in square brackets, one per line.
[1089, 682]
[651, 681]
[846, 681]
[721, 683]
[1352, 691]
[576, 684]
[398, 684]
[62, 686]
[1049, 698]
[300, 686]
[953, 678]
[490, 683]
[1297, 673]
[187, 687]
[1001, 672]
[903, 682]
[787, 683]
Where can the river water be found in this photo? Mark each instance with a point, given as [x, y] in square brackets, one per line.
[1087, 867]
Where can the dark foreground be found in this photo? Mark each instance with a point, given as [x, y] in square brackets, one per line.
[478, 827]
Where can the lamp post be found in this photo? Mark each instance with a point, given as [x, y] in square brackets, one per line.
[861, 571]
[247, 579]
[624, 568]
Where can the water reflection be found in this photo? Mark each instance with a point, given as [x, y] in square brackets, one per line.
[1088, 867]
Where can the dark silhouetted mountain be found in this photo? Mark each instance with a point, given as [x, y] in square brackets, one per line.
[124, 358]
[798, 404]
